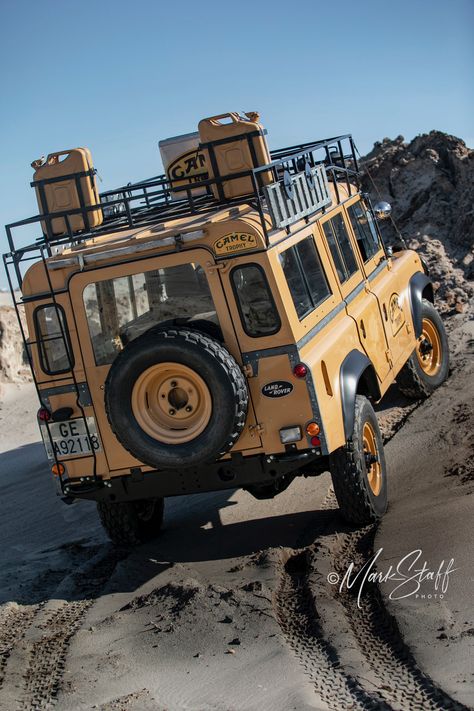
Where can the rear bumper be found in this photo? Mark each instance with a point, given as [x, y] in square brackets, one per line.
[235, 473]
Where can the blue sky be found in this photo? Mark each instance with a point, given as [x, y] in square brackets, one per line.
[118, 76]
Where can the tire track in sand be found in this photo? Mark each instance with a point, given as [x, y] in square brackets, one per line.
[40, 642]
[397, 680]
[14, 622]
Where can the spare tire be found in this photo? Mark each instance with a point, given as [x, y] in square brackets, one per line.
[176, 398]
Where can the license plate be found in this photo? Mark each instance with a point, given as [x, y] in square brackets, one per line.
[70, 438]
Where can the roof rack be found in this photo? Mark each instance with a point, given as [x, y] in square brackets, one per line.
[300, 187]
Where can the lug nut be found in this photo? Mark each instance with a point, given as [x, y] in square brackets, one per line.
[189, 408]
[172, 412]
[173, 383]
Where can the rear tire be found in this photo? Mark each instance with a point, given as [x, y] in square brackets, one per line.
[428, 365]
[358, 470]
[131, 522]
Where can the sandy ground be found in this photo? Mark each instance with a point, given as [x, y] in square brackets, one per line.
[231, 608]
[5, 298]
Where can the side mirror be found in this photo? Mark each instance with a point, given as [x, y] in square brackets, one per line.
[382, 210]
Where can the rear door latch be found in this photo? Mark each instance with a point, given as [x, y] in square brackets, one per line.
[219, 267]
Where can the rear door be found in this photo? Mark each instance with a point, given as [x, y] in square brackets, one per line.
[114, 305]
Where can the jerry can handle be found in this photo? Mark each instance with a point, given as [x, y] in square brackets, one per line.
[56, 154]
[216, 119]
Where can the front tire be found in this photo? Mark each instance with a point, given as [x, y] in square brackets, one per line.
[428, 365]
[358, 470]
[131, 522]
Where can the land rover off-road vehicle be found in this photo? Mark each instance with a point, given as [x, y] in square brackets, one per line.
[228, 324]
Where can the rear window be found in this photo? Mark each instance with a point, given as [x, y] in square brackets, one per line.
[118, 310]
[257, 308]
[54, 347]
[305, 276]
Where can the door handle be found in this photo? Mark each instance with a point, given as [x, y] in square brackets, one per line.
[362, 328]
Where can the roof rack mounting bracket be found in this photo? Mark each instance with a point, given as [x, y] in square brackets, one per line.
[309, 194]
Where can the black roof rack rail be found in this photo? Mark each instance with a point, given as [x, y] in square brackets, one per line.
[158, 199]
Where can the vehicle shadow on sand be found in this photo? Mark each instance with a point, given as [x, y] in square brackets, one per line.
[53, 550]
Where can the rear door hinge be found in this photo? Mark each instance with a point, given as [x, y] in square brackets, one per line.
[219, 267]
[388, 355]
[247, 370]
[257, 429]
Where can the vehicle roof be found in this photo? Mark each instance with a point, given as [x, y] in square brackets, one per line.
[156, 215]
[187, 231]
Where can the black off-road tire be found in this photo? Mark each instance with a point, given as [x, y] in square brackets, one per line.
[412, 381]
[357, 502]
[212, 362]
[131, 522]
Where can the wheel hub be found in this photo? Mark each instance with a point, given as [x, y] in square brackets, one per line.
[428, 348]
[425, 347]
[171, 403]
[370, 459]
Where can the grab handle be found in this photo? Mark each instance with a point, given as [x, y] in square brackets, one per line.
[216, 119]
[50, 160]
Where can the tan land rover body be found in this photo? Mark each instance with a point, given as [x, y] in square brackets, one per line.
[204, 342]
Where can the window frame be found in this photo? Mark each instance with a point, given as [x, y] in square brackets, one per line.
[373, 262]
[121, 275]
[239, 306]
[353, 281]
[40, 339]
[305, 281]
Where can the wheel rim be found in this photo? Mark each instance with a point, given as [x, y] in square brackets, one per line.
[171, 403]
[372, 459]
[428, 348]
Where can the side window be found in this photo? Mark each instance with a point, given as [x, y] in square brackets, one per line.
[305, 276]
[257, 308]
[365, 231]
[55, 355]
[340, 246]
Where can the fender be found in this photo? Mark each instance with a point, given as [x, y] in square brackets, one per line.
[419, 285]
[354, 367]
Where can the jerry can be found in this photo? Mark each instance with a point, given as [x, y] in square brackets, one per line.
[56, 192]
[184, 163]
[234, 144]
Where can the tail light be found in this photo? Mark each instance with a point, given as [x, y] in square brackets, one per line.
[312, 428]
[300, 370]
[44, 414]
[58, 469]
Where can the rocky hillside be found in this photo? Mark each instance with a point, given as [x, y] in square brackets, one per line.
[430, 185]
[13, 363]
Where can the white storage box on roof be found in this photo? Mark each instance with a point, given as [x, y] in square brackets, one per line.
[183, 162]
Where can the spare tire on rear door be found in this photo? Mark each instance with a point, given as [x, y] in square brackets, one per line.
[176, 398]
